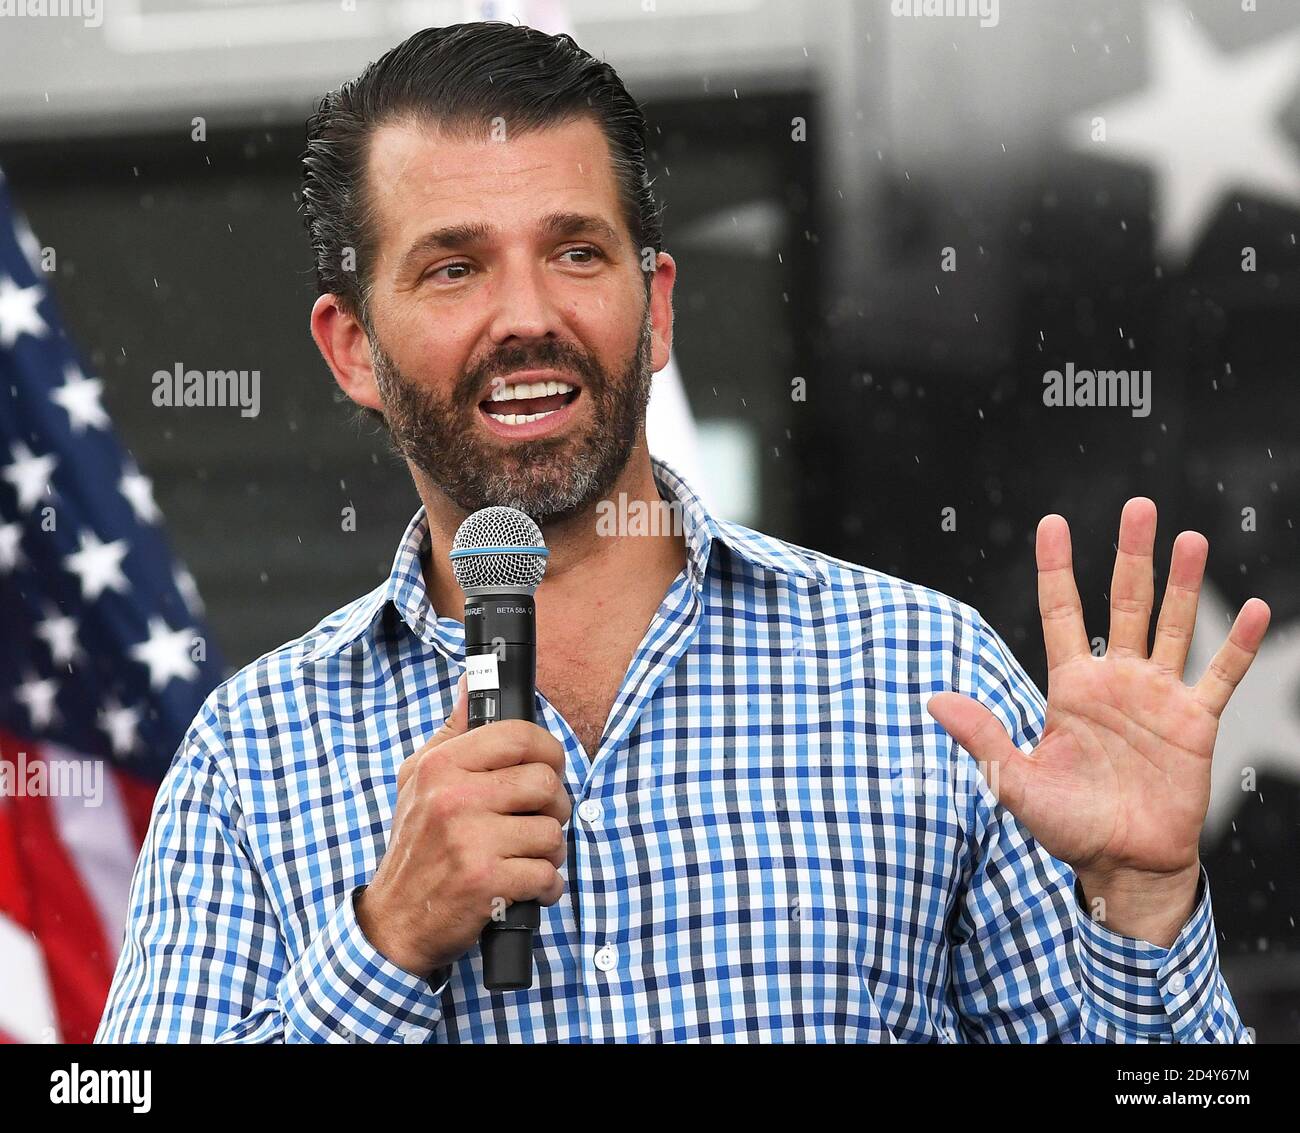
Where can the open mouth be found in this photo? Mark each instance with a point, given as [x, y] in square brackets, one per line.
[529, 408]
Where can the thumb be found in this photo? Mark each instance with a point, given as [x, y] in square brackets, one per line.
[457, 722]
[976, 729]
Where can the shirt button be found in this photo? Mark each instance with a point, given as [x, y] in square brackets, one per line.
[1177, 983]
[411, 1035]
[607, 958]
[589, 810]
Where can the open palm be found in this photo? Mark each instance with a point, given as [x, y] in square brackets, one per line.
[1120, 779]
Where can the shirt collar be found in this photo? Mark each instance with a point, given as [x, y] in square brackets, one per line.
[702, 530]
[405, 589]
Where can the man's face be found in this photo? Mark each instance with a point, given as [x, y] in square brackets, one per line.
[529, 303]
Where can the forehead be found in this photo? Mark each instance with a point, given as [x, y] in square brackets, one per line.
[421, 177]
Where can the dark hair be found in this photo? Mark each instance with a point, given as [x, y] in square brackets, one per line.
[460, 76]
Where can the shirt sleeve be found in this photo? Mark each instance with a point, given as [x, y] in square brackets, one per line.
[203, 959]
[1028, 962]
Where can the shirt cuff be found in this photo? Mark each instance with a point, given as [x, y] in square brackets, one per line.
[1139, 992]
[343, 989]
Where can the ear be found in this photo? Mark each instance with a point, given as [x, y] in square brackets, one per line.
[343, 344]
[661, 311]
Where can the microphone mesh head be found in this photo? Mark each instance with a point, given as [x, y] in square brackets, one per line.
[474, 562]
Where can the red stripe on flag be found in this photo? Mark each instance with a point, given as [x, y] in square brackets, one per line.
[61, 912]
[13, 890]
[138, 796]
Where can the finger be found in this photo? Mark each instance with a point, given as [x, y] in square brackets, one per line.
[1058, 597]
[530, 879]
[531, 836]
[1230, 663]
[1178, 609]
[527, 789]
[1003, 765]
[1132, 588]
[456, 724]
[505, 743]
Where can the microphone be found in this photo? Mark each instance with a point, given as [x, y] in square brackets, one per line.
[498, 557]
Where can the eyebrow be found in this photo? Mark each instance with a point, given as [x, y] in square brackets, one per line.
[555, 225]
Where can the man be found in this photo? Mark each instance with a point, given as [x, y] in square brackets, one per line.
[738, 815]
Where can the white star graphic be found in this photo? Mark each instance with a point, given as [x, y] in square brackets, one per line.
[119, 724]
[10, 536]
[79, 397]
[1260, 728]
[29, 474]
[38, 698]
[18, 314]
[167, 653]
[138, 489]
[1209, 124]
[99, 565]
[59, 632]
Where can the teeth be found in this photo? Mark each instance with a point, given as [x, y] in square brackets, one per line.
[530, 389]
[521, 418]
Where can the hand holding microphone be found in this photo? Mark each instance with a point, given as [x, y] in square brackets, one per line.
[463, 839]
[478, 830]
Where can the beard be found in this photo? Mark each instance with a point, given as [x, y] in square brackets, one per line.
[548, 478]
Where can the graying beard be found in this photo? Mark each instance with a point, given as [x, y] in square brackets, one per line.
[548, 500]
[551, 499]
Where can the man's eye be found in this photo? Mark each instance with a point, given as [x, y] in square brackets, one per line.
[449, 267]
[594, 253]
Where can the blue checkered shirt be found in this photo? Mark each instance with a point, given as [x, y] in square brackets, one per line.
[773, 842]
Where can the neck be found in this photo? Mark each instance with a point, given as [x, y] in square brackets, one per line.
[584, 568]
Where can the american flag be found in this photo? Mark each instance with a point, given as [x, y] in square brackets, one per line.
[104, 662]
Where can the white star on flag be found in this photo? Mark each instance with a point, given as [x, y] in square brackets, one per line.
[27, 241]
[167, 653]
[18, 313]
[138, 489]
[10, 536]
[119, 724]
[1209, 124]
[189, 590]
[59, 632]
[29, 474]
[79, 397]
[99, 565]
[38, 697]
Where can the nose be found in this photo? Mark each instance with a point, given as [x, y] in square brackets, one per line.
[525, 308]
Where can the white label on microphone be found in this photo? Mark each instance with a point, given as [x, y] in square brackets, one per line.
[481, 672]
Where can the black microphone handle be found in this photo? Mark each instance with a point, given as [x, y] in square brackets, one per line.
[505, 625]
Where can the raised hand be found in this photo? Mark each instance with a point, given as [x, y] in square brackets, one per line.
[1119, 784]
